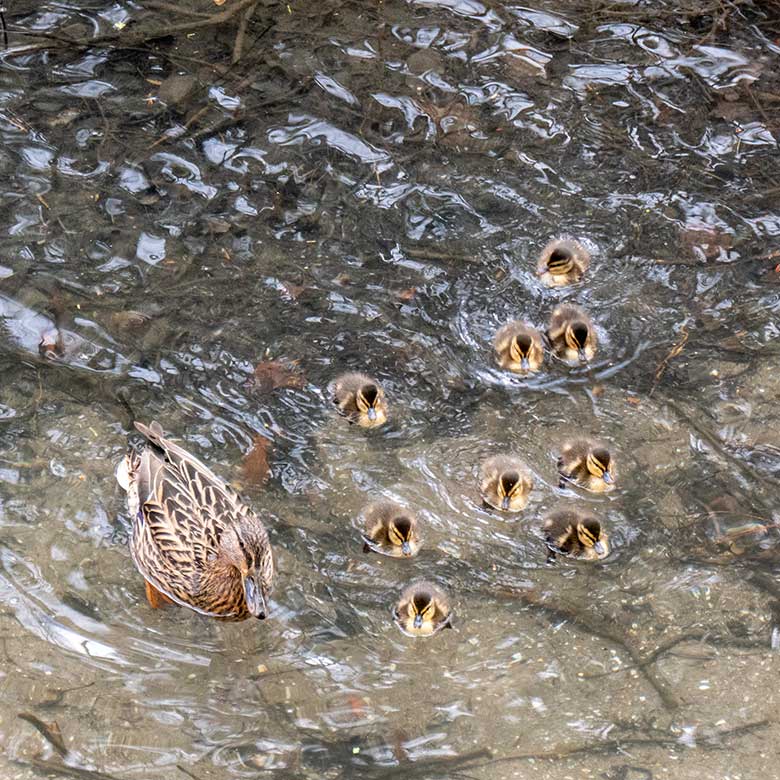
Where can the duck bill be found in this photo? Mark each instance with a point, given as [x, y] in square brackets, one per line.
[581, 354]
[608, 478]
[524, 364]
[255, 598]
[418, 621]
[600, 549]
[406, 548]
[505, 501]
[371, 413]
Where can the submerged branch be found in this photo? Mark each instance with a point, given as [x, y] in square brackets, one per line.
[619, 744]
[135, 37]
[606, 630]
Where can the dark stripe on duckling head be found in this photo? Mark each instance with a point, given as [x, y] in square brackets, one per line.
[560, 261]
[370, 393]
[404, 526]
[421, 601]
[580, 332]
[508, 481]
[593, 529]
[523, 343]
[603, 457]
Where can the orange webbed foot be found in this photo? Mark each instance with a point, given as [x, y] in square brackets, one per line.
[155, 598]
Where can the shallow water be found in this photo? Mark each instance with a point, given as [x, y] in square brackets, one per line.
[367, 188]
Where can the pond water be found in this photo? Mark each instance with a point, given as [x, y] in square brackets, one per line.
[319, 187]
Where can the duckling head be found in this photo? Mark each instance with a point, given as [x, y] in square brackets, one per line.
[599, 463]
[371, 405]
[511, 490]
[246, 548]
[561, 261]
[420, 613]
[577, 337]
[520, 350]
[590, 536]
[400, 532]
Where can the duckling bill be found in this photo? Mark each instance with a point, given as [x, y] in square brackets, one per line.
[571, 334]
[588, 464]
[562, 262]
[390, 530]
[519, 348]
[505, 483]
[576, 534]
[193, 541]
[360, 399]
[423, 609]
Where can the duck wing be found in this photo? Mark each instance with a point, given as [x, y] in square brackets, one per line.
[183, 508]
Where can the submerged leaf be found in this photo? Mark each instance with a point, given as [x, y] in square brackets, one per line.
[272, 374]
[255, 467]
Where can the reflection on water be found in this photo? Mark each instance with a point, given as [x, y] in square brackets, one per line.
[368, 188]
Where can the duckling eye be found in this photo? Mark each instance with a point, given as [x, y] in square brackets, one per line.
[428, 612]
[586, 536]
[595, 467]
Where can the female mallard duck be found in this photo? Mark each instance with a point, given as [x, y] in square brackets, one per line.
[193, 541]
[587, 463]
[571, 334]
[563, 261]
[390, 529]
[505, 483]
[360, 399]
[423, 609]
[576, 534]
[519, 348]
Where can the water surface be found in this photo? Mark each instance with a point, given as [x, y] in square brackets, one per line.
[367, 188]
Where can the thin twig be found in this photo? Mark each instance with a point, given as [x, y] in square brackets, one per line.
[676, 349]
[50, 732]
[238, 46]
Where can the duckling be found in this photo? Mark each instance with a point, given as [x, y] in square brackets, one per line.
[587, 463]
[519, 348]
[360, 399]
[571, 334]
[423, 609]
[505, 483]
[563, 261]
[194, 542]
[576, 534]
[390, 529]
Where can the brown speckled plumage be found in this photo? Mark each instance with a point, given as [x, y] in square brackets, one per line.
[193, 540]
